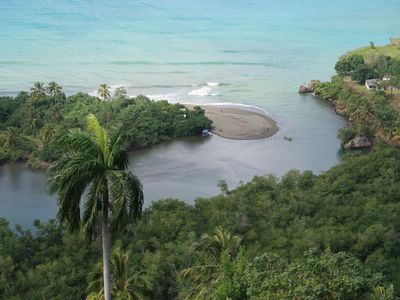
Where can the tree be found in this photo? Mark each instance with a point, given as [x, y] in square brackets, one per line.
[12, 137]
[347, 64]
[55, 112]
[38, 90]
[93, 169]
[388, 84]
[319, 276]
[104, 91]
[360, 115]
[396, 81]
[220, 241]
[372, 44]
[120, 93]
[223, 187]
[361, 73]
[47, 133]
[54, 89]
[126, 283]
[396, 131]
[203, 278]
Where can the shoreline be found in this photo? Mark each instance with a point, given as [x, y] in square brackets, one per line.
[231, 121]
[238, 122]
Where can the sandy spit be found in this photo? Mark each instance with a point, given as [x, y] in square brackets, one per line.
[239, 122]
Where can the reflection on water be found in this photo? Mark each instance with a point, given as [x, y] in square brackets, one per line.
[191, 167]
[23, 196]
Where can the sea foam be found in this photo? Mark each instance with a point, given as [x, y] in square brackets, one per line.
[172, 97]
[203, 91]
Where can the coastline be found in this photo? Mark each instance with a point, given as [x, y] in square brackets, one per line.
[238, 122]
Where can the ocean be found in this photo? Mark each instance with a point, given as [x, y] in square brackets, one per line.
[250, 52]
[259, 50]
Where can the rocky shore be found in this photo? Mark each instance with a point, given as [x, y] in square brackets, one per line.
[358, 142]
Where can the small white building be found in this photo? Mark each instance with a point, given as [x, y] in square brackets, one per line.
[371, 84]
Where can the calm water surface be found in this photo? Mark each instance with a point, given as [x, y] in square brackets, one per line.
[258, 51]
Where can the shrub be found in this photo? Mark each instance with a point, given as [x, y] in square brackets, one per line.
[362, 73]
[347, 64]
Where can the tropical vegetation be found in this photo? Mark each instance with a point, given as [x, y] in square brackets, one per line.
[335, 235]
[93, 167]
[303, 236]
[374, 113]
[29, 121]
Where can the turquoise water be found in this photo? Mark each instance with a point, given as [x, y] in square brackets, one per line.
[251, 52]
[259, 48]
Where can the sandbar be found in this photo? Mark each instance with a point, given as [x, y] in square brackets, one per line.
[238, 122]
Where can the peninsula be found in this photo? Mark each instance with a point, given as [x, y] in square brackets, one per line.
[238, 122]
[30, 121]
[366, 90]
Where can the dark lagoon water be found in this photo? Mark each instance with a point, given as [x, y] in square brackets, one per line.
[252, 52]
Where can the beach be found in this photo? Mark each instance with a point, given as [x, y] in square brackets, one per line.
[239, 122]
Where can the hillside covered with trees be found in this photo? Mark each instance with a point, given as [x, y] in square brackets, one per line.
[372, 113]
[331, 236]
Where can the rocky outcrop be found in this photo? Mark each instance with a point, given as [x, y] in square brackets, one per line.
[305, 89]
[313, 84]
[340, 108]
[395, 41]
[357, 143]
[308, 88]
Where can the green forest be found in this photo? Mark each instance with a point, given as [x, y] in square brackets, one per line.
[29, 121]
[303, 236]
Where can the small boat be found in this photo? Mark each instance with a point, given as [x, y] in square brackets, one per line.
[288, 138]
[205, 132]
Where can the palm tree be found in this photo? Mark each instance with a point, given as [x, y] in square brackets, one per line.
[396, 131]
[47, 133]
[104, 91]
[93, 170]
[56, 115]
[12, 137]
[54, 89]
[359, 115]
[220, 241]
[205, 277]
[125, 282]
[34, 124]
[120, 93]
[38, 91]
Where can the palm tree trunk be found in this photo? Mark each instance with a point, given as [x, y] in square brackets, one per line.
[106, 252]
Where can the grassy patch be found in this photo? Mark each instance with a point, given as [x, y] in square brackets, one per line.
[393, 96]
[370, 54]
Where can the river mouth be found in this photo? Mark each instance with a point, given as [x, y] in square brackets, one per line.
[188, 168]
[189, 51]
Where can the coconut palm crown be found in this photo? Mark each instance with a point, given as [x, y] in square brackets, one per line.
[218, 242]
[93, 170]
[127, 282]
[53, 89]
[204, 277]
[38, 90]
[104, 91]
[46, 133]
